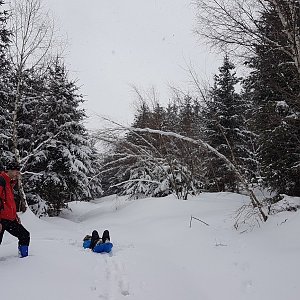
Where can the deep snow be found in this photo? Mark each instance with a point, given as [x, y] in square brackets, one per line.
[156, 254]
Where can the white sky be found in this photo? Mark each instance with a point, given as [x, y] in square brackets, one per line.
[115, 44]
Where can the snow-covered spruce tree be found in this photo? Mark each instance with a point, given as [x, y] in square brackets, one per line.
[156, 118]
[172, 115]
[63, 163]
[274, 88]
[5, 87]
[225, 130]
[30, 109]
[189, 157]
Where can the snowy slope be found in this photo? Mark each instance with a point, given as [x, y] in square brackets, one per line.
[156, 254]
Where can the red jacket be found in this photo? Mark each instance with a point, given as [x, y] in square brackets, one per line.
[9, 211]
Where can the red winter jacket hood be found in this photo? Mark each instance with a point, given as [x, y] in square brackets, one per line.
[9, 211]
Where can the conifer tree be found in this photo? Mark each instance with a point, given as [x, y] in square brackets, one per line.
[172, 116]
[225, 129]
[65, 167]
[274, 88]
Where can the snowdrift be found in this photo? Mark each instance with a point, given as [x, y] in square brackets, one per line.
[156, 254]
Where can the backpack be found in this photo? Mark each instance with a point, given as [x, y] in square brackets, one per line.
[3, 184]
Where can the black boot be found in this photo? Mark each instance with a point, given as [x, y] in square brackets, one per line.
[95, 239]
[105, 236]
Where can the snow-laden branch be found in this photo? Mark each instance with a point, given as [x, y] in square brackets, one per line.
[25, 159]
[205, 146]
[136, 180]
[255, 202]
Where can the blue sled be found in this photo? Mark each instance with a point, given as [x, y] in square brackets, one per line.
[105, 247]
[99, 248]
[86, 244]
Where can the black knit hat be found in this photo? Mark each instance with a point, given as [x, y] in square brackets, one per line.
[13, 166]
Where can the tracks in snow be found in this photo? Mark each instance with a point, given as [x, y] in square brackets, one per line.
[110, 278]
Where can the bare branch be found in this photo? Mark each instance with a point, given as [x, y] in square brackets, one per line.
[235, 24]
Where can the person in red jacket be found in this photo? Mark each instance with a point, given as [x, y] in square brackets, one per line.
[9, 220]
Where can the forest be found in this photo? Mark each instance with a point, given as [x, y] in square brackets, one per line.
[235, 135]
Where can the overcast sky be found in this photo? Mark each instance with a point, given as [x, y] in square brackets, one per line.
[114, 44]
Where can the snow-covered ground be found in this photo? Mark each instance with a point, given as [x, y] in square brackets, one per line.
[156, 255]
